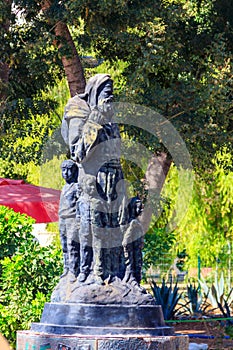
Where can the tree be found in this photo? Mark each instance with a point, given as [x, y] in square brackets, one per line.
[4, 67]
[177, 52]
[39, 48]
[48, 27]
[65, 44]
[207, 228]
[179, 63]
[178, 56]
[29, 69]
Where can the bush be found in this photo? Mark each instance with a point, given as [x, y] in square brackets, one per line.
[158, 242]
[15, 230]
[29, 273]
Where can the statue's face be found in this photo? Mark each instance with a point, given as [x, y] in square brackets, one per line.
[138, 208]
[106, 91]
[69, 174]
[105, 98]
[90, 187]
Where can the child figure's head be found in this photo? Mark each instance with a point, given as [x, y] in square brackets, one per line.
[135, 207]
[69, 171]
[89, 185]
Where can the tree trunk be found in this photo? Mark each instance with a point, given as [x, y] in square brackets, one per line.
[71, 63]
[155, 176]
[4, 67]
[4, 79]
[70, 60]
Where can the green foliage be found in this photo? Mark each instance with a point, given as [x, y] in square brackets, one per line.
[175, 57]
[218, 296]
[15, 230]
[32, 59]
[26, 283]
[181, 258]
[196, 219]
[158, 241]
[206, 228]
[179, 63]
[168, 297]
[33, 67]
[162, 238]
[195, 300]
[50, 173]
[33, 141]
[222, 190]
[60, 94]
[28, 274]
[24, 143]
[229, 331]
[115, 69]
[194, 305]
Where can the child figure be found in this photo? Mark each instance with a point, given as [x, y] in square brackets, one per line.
[68, 224]
[90, 210]
[133, 242]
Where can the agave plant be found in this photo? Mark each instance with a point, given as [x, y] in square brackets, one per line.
[217, 297]
[168, 297]
[195, 304]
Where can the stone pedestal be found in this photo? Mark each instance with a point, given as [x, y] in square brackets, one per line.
[74, 326]
[90, 319]
[29, 340]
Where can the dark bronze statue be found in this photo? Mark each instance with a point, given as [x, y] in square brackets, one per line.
[99, 292]
[133, 243]
[93, 219]
[68, 224]
[110, 235]
[94, 142]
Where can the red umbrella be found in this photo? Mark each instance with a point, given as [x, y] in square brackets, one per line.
[38, 202]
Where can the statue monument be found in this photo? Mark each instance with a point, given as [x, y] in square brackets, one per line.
[110, 234]
[99, 292]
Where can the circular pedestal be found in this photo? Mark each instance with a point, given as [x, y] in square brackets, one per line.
[89, 319]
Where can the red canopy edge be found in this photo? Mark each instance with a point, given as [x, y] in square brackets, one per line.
[4, 181]
[40, 203]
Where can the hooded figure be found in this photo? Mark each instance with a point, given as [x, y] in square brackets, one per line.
[94, 142]
[83, 118]
[92, 88]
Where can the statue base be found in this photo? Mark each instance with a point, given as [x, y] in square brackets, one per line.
[76, 326]
[29, 340]
[90, 319]
[82, 326]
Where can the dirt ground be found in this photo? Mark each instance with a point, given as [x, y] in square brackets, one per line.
[212, 329]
